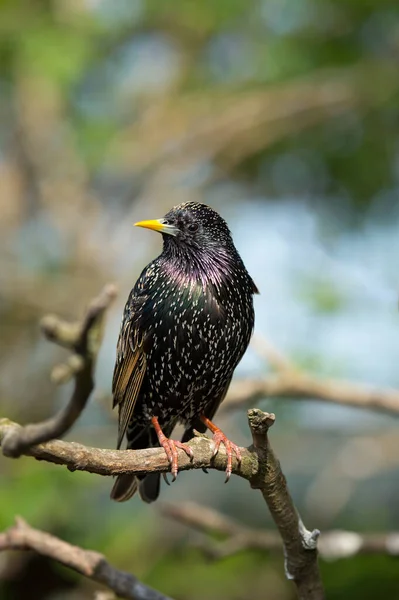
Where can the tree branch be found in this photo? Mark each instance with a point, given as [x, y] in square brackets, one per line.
[78, 457]
[332, 545]
[84, 340]
[288, 381]
[87, 562]
[259, 466]
[300, 545]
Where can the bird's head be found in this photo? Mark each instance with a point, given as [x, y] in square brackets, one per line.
[191, 224]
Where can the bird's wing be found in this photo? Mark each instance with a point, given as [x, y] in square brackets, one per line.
[129, 370]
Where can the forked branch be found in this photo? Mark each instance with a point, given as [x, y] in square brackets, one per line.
[84, 340]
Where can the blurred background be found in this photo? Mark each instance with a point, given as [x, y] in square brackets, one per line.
[283, 116]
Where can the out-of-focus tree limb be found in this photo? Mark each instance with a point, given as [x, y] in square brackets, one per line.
[288, 381]
[57, 169]
[83, 339]
[259, 466]
[332, 545]
[87, 562]
[302, 385]
[232, 127]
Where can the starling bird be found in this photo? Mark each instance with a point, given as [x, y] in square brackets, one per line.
[186, 325]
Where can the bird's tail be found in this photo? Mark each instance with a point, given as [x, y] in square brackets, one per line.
[126, 485]
[149, 487]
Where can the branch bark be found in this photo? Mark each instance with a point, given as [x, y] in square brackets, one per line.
[300, 544]
[87, 562]
[77, 457]
[84, 340]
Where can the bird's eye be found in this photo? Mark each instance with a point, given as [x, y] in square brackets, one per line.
[193, 227]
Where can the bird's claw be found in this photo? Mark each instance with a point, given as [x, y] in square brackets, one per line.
[165, 478]
[170, 447]
[220, 438]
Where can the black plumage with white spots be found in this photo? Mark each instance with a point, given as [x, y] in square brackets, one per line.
[186, 324]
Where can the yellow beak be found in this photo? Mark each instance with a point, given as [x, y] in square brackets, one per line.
[158, 225]
[155, 224]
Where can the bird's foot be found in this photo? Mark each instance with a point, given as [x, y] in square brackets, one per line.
[170, 447]
[220, 438]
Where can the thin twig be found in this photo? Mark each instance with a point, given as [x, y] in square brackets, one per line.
[84, 340]
[271, 355]
[87, 562]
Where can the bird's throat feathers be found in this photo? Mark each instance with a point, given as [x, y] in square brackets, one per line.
[200, 268]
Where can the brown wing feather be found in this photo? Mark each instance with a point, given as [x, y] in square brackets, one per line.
[129, 372]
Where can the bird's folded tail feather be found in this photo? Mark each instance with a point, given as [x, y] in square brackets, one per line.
[149, 487]
[124, 487]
